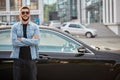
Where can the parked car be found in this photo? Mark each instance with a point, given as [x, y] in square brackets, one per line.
[62, 57]
[79, 29]
[55, 24]
[52, 24]
[45, 23]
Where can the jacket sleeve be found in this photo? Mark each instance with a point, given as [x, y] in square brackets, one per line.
[14, 37]
[32, 41]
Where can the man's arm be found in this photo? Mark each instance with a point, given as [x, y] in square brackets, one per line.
[15, 39]
[35, 39]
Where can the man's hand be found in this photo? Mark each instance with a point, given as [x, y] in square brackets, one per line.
[35, 36]
[19, 39]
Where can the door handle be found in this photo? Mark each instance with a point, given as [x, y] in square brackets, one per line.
[44, 56]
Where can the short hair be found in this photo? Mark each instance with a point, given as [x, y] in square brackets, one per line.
[24, 7]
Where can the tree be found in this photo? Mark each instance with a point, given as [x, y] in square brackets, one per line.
[47, 9]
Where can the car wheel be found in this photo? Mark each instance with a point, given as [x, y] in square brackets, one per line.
[67, 32]
[118, 77]
[88, 34]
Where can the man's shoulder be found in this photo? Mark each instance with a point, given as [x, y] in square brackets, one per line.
[33, 24]
[16, 24]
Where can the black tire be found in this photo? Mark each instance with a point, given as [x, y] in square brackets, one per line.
[67, 32]
[88, 35]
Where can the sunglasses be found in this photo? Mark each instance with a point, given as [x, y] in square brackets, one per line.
[25, 12]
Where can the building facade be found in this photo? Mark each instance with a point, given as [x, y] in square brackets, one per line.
[67, 9]
[9, 10]
[84, 11]
[91, 11]
[94, 10]
[100, 11]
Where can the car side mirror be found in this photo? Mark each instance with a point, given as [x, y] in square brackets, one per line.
[81, 50]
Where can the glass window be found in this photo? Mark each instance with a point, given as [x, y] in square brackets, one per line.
[15, 4]
[72, 25]
[3, 19]
[5, 37]
[14, 19]
[50, 41]
[33, 4]
[78, 26]
[2, 5]
[55, 42]
[5, 41]
[35, 19]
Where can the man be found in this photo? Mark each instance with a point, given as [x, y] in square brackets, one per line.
[25, 40]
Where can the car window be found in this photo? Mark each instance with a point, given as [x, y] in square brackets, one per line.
[5, 37]
[75, 26]
[78, 26]
[52, 41]
[72, 25]
[5, 41]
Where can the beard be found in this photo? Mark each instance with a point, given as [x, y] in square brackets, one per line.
[25, 19]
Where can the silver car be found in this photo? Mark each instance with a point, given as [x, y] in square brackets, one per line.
[79, 29]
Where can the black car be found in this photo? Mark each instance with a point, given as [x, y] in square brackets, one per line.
[62, 57]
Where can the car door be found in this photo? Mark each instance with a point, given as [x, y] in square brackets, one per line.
[73, 29]
[81, 29]
[60, 60]
[6, 68]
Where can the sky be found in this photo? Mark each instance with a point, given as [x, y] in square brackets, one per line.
[49, 1]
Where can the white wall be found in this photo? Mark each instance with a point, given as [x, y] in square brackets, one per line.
[111, 15]
[117, 11]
